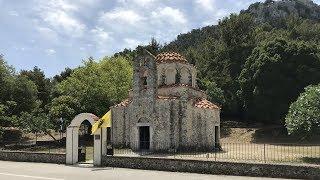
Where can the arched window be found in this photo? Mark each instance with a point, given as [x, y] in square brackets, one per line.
[163, 79]
[144, 78]
[185, 76]
[144, 81]
[171, 76]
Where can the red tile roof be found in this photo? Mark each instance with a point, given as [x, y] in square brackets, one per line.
[170, 57]
[124, 103]
[203, 103]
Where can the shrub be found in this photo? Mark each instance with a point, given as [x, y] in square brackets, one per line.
[303, 118]
[1, 133]
[12, 135]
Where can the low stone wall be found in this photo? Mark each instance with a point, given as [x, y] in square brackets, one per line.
[210, 167]
[32, 157]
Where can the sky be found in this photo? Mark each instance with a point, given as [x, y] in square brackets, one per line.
[55, 34]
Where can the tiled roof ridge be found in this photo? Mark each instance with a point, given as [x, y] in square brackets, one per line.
[170, 57]
[205, 104]
[199, 103]
[124, 103]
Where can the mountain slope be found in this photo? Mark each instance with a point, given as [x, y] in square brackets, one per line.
[280, 38]
[270, 11]
[274, 10]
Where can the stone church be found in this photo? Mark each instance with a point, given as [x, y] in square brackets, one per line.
[165, 109]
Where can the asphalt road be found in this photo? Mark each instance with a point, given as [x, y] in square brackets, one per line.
[41, 171]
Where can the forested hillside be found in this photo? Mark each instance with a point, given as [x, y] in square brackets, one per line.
[261, 59]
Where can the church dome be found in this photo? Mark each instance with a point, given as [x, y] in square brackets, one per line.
[170, 57]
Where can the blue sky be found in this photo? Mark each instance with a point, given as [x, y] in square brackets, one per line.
[54, 34]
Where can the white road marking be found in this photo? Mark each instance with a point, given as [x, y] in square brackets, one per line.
[26, 176]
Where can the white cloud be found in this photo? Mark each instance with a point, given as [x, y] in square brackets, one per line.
[208, 5]
[144, 2]
[60, 20]
[169, 15]
[100, 34]
[13, 13]
[132, 26]
[132, 43]
[121, 15]
[62, 4]
[58, 14]
[48, 34]
[214, 20]
[50, 51]
[70, 30]
[101, 39]
[138, 2]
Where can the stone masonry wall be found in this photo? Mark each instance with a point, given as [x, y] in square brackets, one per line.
[211, 167]
[32, 157]
[117, 126]
[175, 124]
[178, 68]
[169, 111]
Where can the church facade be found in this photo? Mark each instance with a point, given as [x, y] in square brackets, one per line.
[165, 109]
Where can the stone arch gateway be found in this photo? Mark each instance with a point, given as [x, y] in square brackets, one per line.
[73, 139]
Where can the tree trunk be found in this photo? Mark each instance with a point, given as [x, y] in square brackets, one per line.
[48, 133]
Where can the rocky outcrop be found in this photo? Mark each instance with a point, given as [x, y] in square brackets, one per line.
[270, 10]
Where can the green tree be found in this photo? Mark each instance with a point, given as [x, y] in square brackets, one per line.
[303, 118]
[65, 107]
[98, 85]
[42, 83]
[215, 94]
[1, 133]
[24, 93]
[221, 59]
[274, 75]
[7, 116]
[17, 95]
[6, 80]
[36, 122]
[7, 105]
[63, 75]
[153, 47]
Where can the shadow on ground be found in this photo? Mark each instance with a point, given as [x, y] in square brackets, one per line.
[311, 160]
[225, 132]
[279, 135]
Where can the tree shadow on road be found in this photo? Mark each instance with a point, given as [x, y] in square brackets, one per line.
[311, 160]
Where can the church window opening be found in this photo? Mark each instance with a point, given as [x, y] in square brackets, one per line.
[144, 81]
[144, 78]
[178, 78]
